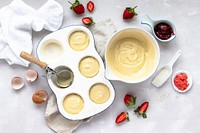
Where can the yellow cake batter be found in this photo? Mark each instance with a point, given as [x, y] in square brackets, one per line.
[89, 67]
[131, 58]
[79, 40]
[73, 103]
[99, 93]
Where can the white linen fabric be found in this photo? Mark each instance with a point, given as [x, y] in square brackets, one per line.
[102, 31]
[16, 23]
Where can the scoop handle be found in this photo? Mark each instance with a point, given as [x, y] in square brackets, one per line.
[32, 59]
[148, 21]
[176, 56]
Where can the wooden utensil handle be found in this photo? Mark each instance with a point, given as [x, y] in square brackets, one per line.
[32, 59]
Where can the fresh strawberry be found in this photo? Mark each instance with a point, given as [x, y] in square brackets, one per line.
[90, 6]
[129, 100]
[87, 20]
[129, 13]
[122, 117]
[142, 109]
[77, 7]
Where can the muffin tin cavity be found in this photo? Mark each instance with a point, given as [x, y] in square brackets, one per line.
[85, 92]
[51, 50]
[73, 103]
[79, 40]
[99, 93]
[89, 67]
[64, 77]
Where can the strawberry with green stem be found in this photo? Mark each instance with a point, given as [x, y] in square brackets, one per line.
[87, 21]
[77, 7]
[129, 100]
[129, 13]
[123, 116]
[141, 110]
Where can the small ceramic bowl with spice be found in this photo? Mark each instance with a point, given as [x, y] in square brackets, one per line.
[182, 81]
[163, 30]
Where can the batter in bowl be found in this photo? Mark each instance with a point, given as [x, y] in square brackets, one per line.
[131, 58]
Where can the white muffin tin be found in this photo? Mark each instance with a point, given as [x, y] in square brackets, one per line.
[80, 85]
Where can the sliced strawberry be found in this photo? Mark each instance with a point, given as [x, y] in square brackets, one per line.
[129, 13]
[77, 7]
[90, 6]
[87, 20]
[129, 100]
[141, 110]
[122, 117]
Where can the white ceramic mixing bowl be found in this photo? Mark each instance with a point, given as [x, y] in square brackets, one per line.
[138, 34]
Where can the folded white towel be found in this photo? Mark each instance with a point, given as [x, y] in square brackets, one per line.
[16, 23]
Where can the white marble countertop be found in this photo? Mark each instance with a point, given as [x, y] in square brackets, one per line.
[169, 111]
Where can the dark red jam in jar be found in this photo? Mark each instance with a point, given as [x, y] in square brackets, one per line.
[163, 31]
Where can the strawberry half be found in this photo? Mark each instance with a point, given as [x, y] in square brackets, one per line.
[129, 13]
[122, 117]
[90, 6]
[142, 109]
[77, 7]
[87, 21]
[129, 100]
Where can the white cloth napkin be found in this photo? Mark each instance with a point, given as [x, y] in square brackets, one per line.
[102, 31]
[16, 23]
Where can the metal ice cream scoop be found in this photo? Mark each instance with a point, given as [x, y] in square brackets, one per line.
[64, 76]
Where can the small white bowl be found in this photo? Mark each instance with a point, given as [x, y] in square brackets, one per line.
[189, 80]
[152, 23]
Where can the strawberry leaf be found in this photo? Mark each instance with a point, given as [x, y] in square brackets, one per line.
[90, 23]
[144, 115]
[127, 117]
[137, 110]
[76, 3]
[128, 8]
